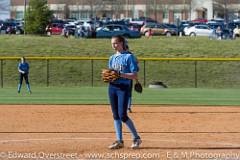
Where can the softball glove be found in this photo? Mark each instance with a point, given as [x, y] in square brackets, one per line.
[109, 75]
[138, 87]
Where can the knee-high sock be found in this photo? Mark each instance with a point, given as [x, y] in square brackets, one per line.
[19, 87]
[118, 129]
[132, 128]
[28, 87]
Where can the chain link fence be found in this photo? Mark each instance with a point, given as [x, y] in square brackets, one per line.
[175, 73]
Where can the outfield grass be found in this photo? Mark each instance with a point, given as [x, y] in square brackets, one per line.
[158, 46]
[71, 73]
[98, 95]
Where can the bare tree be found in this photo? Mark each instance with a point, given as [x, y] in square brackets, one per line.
[118, 8]
[67, 10]
[96, 6]
[219, 6]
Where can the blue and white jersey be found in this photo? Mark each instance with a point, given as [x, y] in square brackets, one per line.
[24, 67]
[136, 61]
[123, 63]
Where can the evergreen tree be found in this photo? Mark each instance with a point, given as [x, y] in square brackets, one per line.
[38, 16]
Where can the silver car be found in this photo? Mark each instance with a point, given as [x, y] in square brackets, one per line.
[198, 30]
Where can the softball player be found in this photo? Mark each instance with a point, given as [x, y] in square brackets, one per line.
[23, 69]
[119, 91]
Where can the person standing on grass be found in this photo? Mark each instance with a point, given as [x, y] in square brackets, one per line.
[119, 90]
[23, 69]
[219, 33]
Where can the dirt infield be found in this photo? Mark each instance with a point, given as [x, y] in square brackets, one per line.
[74, 132]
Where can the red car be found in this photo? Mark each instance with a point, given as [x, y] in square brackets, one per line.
[200, 20]
[54, 29]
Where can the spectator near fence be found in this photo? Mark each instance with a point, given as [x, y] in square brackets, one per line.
[219, 33]
[149, 33]
[236, 31]
[65, 32]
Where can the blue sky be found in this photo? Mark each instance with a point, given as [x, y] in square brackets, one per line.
[4, 9]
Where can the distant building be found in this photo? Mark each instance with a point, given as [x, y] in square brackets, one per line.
[161, 10]
[4, 9]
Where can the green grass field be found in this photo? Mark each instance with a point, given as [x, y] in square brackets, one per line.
[98, 95]
[70, 81]
[68, 73]
[159, 46]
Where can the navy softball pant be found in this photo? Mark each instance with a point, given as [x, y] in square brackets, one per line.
[25, 76]
[119, 95]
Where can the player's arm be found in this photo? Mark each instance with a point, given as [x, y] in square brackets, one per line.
[133, 68]
[19, 70]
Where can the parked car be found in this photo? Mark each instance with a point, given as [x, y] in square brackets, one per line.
[158, 29]
[142, 20]
[1, 22]
[54, 29]
[10, 27]
[201, 20]
[198, 30]
[233, 25]
[172, 27]
[214, 25]
[113, 30]
[70, 29]
[134, 26]
[218, 20]
[120, 22]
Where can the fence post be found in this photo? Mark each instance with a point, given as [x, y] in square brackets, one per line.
[47, 72]
[144, 73]
[196, 75]
[92, 71]
[1, 73]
